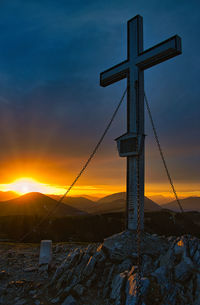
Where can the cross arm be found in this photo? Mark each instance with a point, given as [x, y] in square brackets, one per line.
[114, 74]
[161, 52]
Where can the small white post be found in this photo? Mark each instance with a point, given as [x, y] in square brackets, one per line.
[45, 252]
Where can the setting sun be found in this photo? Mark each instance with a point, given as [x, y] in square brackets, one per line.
[25, 185]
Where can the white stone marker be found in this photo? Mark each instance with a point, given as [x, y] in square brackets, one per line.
[45, 252]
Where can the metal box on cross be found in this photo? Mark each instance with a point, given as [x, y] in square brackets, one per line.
[130, 144]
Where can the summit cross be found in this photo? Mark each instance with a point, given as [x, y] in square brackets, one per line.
[131, 145]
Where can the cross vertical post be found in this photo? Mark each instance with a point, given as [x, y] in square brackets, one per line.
[135, 124]
[131, 145]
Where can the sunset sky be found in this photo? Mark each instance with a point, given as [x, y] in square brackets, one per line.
[53, 111]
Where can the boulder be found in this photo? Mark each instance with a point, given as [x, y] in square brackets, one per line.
[123, 245]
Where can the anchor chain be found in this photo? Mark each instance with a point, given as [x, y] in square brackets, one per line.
[162, 155]
[139, 257]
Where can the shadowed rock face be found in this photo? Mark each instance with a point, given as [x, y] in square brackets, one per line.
[169, 271]
[105, 273]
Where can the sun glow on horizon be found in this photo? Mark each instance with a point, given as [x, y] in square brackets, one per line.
[26, 185]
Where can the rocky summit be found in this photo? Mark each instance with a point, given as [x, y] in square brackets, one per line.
[104, 273]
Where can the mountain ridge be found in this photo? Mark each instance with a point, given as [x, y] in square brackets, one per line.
[36, 203]
[191, 203]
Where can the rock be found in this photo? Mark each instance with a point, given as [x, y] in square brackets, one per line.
[64, 279]
[167, 259]
[18, 283]
[100, 256]
[90, 250]
[197, 300]
[131, 289]
[71, 259]
[3, 291]
[196, 257]
[197, 284]
[70, 301]
[161, 274]
[162, 277]
[43, 267]
[90, 266]
[32, 292]
[79, 289]
[58, 249]
[108, 280]
[91, 280]
[55, 300]
[30, 269]
[116, 248]
[78, 270]
[106, 274]
[180, 246]
[21, 302]
[125, 265]
[117, 286]
[147, 264]
[4, 274]
[193, 245]
[183, 270]
[121, 246]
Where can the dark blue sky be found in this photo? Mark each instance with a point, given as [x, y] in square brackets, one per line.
[52, 109]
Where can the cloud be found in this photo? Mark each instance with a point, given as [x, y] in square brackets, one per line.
[50, 58]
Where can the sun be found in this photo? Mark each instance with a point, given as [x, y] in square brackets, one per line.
[25, 185]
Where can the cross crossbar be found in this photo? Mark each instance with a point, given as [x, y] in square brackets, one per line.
[151, 57]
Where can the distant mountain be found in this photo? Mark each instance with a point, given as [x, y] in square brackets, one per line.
[8, 195]
[117, 203]
[92, 198]
[160, 199]
[79, 203]
[36, 204]
[113, 197]
[109, 204]
[188, 204]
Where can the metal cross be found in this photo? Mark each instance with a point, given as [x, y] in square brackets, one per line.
[131, 145]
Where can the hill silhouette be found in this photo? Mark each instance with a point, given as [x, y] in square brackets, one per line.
[8, 195]
[36, 204]
[117, 203]
[80, 203]
[108, 204]
[188, 204]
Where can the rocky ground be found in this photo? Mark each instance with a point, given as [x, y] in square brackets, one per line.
[106, 273]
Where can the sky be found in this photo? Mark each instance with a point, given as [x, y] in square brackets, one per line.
[53, 110]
